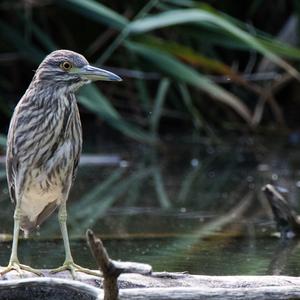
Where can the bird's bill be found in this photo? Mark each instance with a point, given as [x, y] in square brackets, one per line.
[94, 74]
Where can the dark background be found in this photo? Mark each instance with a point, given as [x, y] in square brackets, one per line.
[30, 29]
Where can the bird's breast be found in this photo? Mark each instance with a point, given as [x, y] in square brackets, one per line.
[36, 198]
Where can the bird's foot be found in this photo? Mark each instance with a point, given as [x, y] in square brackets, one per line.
[15, 265]
[73, 268]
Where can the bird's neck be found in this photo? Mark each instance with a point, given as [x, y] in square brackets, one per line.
[45, 94]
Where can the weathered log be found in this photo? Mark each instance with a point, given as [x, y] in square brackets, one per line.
[47, 289]
[158, 286]
[215, 294]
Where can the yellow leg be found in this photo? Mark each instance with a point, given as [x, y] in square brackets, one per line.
[14, 263]
[69, 262]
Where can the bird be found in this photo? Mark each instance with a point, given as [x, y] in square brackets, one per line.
[44, 145]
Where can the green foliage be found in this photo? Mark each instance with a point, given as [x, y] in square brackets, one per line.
[177, 39]
[185, 74]
[95, 101]
[206, 19]
[96, 11]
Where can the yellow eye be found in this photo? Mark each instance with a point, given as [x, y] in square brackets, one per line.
[66, 65]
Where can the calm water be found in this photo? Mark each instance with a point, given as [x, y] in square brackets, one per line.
[190, 208]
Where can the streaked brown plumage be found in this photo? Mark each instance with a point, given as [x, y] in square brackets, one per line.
[44, 145]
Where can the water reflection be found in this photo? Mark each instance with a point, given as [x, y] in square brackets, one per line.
[196, 209]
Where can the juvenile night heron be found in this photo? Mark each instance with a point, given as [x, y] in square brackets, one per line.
[44, 146]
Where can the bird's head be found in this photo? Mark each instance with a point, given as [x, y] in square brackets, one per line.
[69, 70]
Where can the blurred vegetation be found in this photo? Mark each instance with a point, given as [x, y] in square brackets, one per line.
[191, 69]
[188, 66]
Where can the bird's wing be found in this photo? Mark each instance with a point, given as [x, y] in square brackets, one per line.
[75, 167]
[11, 169]
[11, 159]
[78, 150]
[46, 212]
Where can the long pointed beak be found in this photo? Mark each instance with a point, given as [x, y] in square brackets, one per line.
[94, 74]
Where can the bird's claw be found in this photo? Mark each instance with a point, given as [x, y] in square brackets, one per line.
[15, 265]
[73, 268]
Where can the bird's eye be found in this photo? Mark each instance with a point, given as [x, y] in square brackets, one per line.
[67, 66]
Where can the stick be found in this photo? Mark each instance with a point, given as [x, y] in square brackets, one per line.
[285, 218]
[110, 272]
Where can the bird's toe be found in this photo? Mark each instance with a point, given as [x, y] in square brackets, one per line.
[19, 268]
[74, 268]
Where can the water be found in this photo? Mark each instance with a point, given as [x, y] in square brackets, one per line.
[219, 255]
[193, 208]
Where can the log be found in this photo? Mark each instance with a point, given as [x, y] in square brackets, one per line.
[158, 286]
[47, 289]
[215, 294]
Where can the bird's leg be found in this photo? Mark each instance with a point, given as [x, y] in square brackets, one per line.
[14, 263]
[69, 262]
